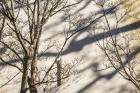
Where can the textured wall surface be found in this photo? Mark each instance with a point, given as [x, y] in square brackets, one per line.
[133, 8]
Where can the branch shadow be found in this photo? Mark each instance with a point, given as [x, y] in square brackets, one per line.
[110, 75]
[76, 46]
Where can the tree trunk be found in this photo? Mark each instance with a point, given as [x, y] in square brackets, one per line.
[33, 76]
[24, 75]
[58, 73]
[33, 56]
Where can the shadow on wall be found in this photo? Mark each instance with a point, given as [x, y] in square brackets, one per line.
[110, 75]
[87, 2]
[76, 46]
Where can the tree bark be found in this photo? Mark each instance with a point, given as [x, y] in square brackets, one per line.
[59, 73]
[24, 75]
[33, 61]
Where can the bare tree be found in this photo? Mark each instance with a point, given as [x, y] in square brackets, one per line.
[23, 43]
[117, 49]
[22, 24]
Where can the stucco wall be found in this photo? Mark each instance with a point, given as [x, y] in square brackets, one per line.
[133, 15]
